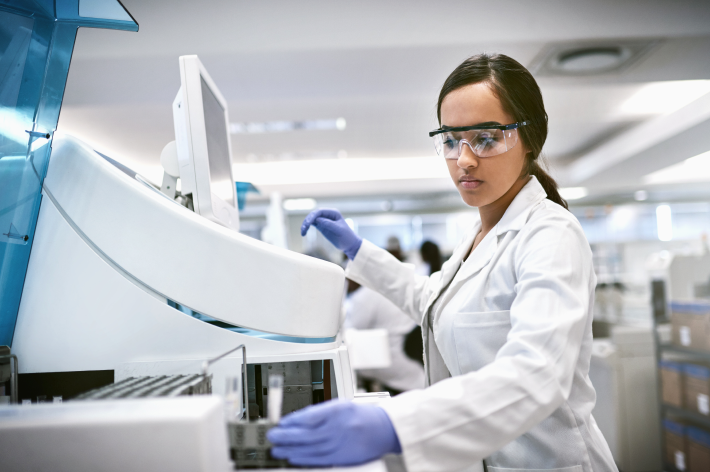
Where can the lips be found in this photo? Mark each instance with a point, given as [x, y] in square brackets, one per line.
[469, 182]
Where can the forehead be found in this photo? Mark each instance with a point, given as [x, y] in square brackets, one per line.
[472, 104]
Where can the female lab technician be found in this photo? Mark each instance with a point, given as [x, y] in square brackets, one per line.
[507, 322]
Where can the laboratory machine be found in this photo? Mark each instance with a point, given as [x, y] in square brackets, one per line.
[124, 279]
[115, 293]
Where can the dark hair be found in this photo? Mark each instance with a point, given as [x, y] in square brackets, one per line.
[520, 96]
[431, 255]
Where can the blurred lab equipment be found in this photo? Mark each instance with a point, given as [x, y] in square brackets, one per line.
[367, 310]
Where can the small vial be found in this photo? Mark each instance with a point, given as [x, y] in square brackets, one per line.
[276, 397]
[26, 401]
[57, 399]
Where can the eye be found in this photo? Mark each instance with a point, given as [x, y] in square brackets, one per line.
[486, 139]
[448, 142]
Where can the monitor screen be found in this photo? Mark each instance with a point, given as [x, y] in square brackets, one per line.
[220, 162]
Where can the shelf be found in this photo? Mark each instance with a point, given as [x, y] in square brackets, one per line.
[687, 415]
[703, 355]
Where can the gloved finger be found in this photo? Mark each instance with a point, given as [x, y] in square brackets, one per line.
[326, 225]
[311, 461]
[327, 460]
[312, 416]
[308, 221]
[297, 436]
[330, 213]
[289, 452]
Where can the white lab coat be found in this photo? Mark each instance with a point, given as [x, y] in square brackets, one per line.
[367, 309]
[509, 357]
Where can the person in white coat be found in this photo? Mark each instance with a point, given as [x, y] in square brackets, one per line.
[367, 309]
[507, 322]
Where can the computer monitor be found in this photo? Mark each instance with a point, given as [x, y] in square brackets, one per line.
[204, 150]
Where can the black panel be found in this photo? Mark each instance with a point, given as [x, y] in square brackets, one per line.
[259, 389]
[66, 384]
[658, 300]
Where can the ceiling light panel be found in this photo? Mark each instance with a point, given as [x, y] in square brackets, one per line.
[659, 98]
[287, 126]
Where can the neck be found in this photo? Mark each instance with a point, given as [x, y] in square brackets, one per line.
[493, 212]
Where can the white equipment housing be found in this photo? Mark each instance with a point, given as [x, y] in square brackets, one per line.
[184, 434]
[110, 252]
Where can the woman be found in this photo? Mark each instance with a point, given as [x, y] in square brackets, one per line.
[507, 322]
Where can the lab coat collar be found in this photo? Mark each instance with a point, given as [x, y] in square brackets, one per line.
[517, 213]
[513, 219]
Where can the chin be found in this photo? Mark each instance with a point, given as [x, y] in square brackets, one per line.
[473, 200]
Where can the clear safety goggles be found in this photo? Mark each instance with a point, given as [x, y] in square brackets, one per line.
[484, 140]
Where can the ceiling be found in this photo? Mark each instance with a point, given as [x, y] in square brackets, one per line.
[379, 65]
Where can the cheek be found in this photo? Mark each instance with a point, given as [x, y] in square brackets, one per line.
[453, 169]
[511, 168]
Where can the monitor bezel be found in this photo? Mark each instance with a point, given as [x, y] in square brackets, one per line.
[191, 141]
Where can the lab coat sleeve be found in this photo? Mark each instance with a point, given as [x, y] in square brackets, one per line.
[379, 270]
[463, 419]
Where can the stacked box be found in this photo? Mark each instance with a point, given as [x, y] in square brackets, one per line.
[676, 452]
[698, 442]
[671, 383]
[697, 388]
[690, 324]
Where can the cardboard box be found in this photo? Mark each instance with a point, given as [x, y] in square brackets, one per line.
[676, 453]
[698, 442]
[690, 324]
[697, 388]
[671, 383]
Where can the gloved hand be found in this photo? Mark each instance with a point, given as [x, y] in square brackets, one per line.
[333, 226]
[334, 433]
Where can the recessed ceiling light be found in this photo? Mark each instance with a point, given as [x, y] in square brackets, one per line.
[591, 60]
[589, 57]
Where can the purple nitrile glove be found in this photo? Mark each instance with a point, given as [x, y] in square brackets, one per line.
[334, 433]
[333, 226]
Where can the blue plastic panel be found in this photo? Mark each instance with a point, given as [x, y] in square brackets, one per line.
[699, 436]
[698, 307]
[697, 371]
[673, 427]
[669, 365]
[36, 43]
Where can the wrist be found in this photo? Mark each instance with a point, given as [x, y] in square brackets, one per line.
[353, 249]
[392, 445]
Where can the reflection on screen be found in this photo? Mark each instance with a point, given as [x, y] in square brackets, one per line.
[220, 161]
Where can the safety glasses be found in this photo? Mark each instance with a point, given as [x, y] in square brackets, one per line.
[483, 140]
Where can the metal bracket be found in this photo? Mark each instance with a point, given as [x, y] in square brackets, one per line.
[209, 362]
[13, 378]
[38, 134]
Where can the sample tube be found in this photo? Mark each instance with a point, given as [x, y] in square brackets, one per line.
[233, 398]
[276, 397]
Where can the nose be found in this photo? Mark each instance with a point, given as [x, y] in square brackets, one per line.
[466, 156]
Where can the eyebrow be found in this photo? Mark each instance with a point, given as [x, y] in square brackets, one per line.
[485, 123]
